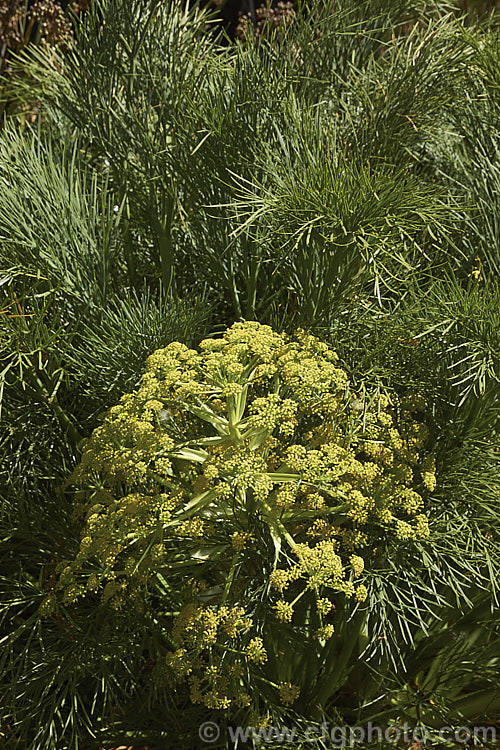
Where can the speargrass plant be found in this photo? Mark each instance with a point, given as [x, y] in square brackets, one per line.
[336, 175]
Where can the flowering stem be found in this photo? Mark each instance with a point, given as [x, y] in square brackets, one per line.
[277, 525]
[230, 577]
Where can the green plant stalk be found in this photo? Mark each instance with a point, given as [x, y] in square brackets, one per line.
[163, 228]
[336, 667]
[485, 703]
[73, 434]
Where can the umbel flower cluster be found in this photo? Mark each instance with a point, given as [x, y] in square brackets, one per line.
[248, 478]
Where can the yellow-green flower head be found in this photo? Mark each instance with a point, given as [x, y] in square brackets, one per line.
[288, 693]
[256, 651]
[48, 606]
[180, 663]
[279, 579]
[233, 621]
[324, 606]
[325, 632]
[251, 445]
[358, 565]
[403, 530]
[361, 593]
[422, 526]
[283, 611]
[429, 481]
[240, 540]
[321, 564]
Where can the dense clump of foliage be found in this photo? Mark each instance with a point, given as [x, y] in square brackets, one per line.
[256, 439]
[284, 251]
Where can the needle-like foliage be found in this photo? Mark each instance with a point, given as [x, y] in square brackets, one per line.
[337, 172]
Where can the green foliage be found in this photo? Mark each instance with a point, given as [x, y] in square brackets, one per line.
[338, 174]
[61, 362]
[320, 155]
